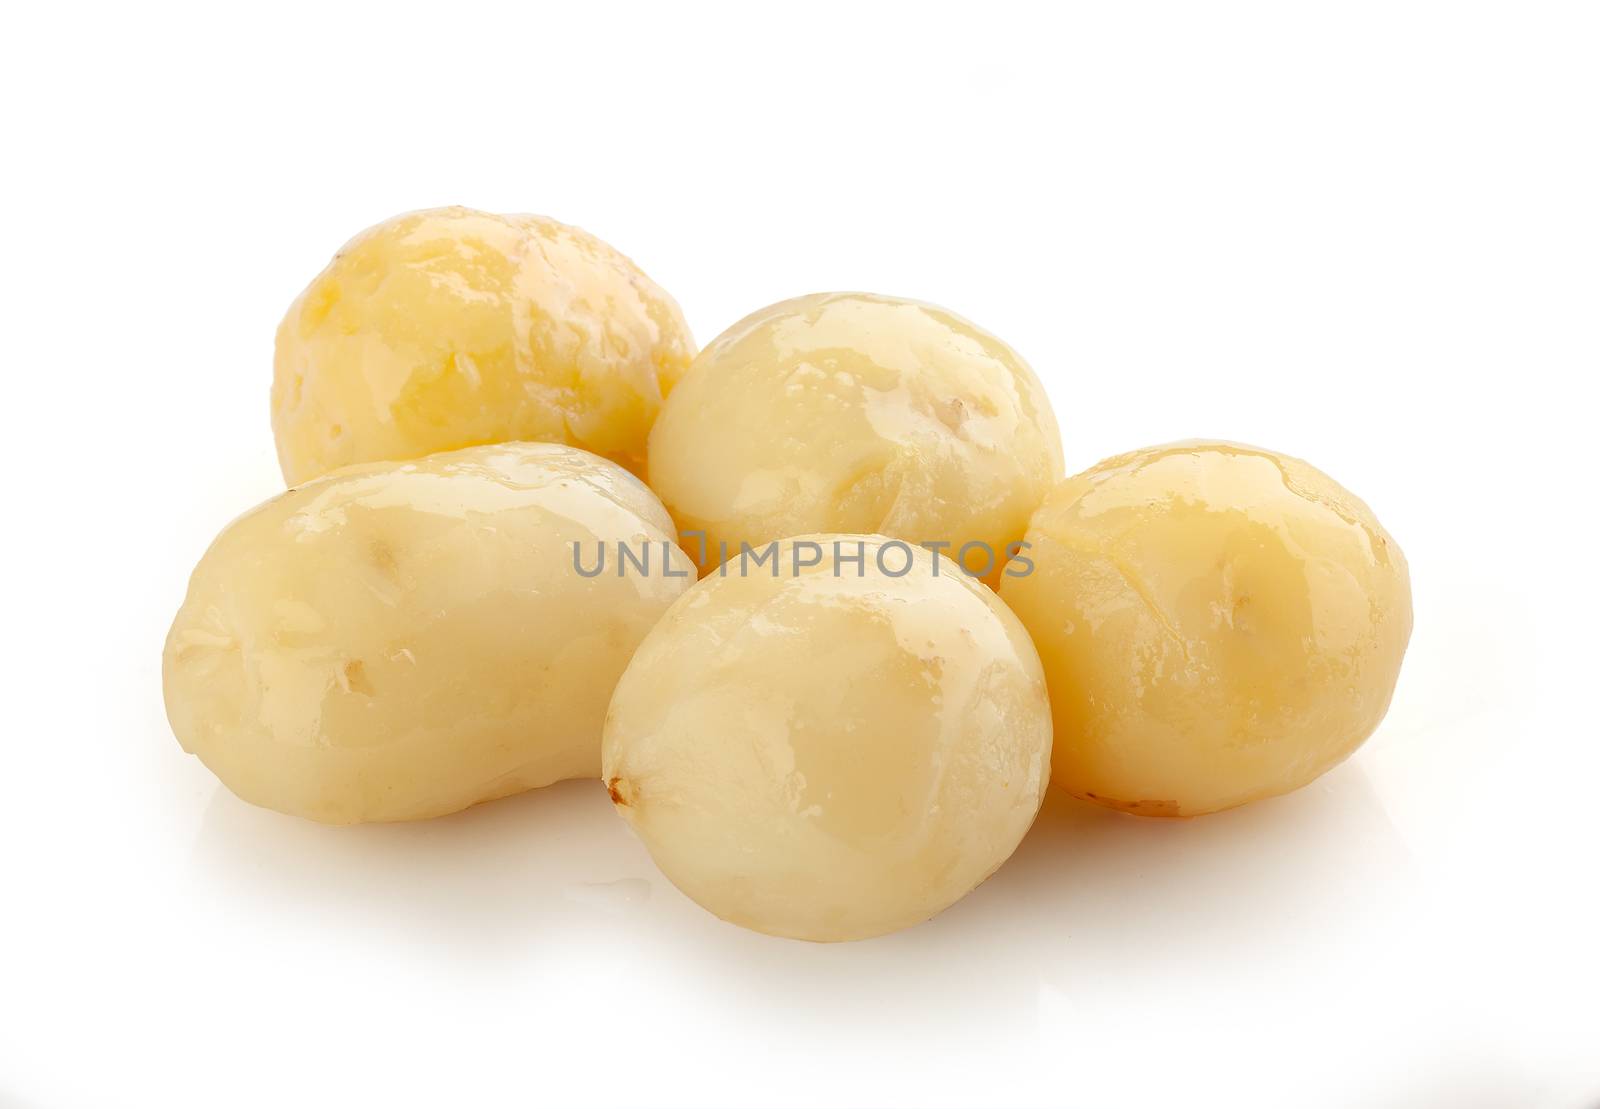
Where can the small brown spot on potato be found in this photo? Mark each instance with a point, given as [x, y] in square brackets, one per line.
[1152, 807]
[952, 413]
[353, 678]
[383, 558]
[621, 792]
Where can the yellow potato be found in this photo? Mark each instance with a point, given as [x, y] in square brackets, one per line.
[847, 412]
[834, 743]
[401, 640]
[1218, 624]
[450, 328]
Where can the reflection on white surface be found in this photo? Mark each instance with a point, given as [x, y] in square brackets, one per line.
[1085, 879]
[1104, 933]
[619, 896]
[497, 875]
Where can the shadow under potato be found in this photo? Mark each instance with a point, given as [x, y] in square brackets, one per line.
[500, 874]
[1106, 907]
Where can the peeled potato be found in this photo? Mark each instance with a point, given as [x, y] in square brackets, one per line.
[449, 328]
[1218, 624]
[833, 744]
[401, 640]
[847, 412]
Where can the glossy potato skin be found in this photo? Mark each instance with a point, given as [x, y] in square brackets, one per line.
[850, 412]
[1219, 623]
[450, 327]
[402, 640]
[831, 757]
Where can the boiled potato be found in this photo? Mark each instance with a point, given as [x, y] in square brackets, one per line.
[833, 742]
[401, 640]
[847, 412]
[449, 328]
[1218, 624]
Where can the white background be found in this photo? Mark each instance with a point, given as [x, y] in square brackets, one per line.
[1364, 234]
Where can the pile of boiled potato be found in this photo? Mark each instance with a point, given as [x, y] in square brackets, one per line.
[817, 603]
